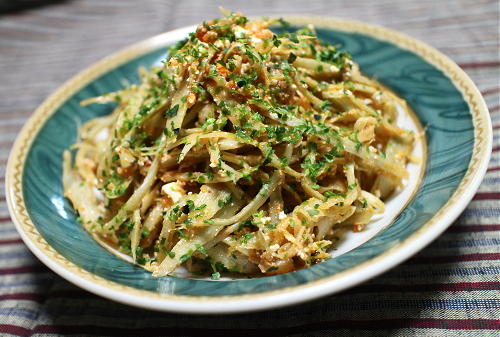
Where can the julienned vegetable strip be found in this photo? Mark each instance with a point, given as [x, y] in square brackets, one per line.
[246, 151]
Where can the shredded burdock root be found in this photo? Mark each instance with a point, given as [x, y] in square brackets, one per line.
[246, 152]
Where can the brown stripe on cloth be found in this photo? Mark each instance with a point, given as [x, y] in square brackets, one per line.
[10, 241]
[24, 270]
[494, 108]
[4, 218]
[454, 258]
[22, 296]
[15, 330]
[473, 228]
[487, 196]
[490, 91]
[485, 64]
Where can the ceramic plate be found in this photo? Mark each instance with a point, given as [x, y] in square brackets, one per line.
[454, 155]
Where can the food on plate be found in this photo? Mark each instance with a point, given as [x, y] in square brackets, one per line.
[245, 151]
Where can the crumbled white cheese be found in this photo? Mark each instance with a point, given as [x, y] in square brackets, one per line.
[256, 42]
[173, 190]
[265, 219]
[240, 32]
[281, 215]
[274, 247]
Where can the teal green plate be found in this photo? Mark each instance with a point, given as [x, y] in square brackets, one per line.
[458, 137]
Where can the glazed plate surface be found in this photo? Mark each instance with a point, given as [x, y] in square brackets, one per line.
[454, 154]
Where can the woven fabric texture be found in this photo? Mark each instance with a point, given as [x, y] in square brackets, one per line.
[451, 288]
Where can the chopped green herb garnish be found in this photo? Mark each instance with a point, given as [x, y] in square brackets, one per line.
[312, 212]
[172, 111]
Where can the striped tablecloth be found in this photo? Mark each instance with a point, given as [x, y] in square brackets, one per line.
[450, 288]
